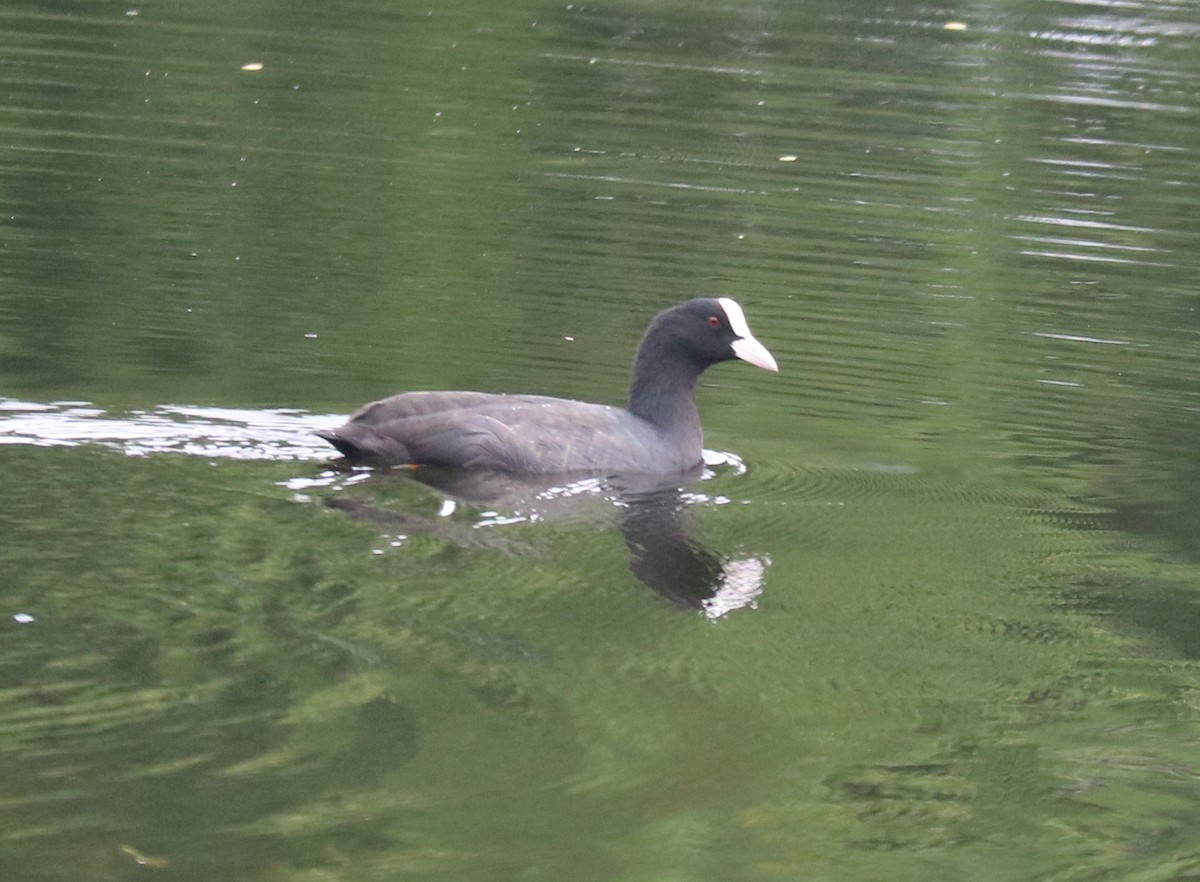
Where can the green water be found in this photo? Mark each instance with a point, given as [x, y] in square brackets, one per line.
[966, 503]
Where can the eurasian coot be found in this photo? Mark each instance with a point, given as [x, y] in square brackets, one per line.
[536, 434]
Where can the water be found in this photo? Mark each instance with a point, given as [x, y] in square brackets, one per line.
[956, 534]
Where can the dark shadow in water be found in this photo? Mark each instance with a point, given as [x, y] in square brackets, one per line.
[654, 518]
[1167, 614]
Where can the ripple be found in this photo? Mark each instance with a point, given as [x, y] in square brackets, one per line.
[787, 483]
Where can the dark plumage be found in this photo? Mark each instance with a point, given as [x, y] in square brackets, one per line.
[535, 434]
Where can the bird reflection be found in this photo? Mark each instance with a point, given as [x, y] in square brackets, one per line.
[665, 557]
[654, 515]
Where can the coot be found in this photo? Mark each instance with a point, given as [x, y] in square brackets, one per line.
[536, 434]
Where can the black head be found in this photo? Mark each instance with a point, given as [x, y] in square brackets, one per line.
[706, 331]
[679, 345]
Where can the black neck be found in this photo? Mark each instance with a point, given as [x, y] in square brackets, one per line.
[662, 390]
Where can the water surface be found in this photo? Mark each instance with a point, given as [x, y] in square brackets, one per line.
[961, 518]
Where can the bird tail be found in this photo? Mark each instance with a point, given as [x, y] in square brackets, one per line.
[345, 446]
[365, 447]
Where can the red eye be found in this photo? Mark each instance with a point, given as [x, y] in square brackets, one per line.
[714, 322]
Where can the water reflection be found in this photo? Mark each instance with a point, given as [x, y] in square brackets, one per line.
[219, 432]
[664, 556]
[655, 520]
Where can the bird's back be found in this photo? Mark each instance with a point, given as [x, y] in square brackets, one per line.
[529, 434]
